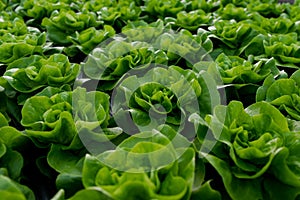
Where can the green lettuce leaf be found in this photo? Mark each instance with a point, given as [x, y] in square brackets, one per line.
[32, 73]
[285, 165]
[88, 39]
[118, 58]
[193, 20]
[282, 93]
[12, 24]
[230, 11]
[247, 142]
[57, 118]
[118, 14]
[39, 9]
[163, 9]
[64, 23]
[284, 48]
[163, 96]
[68, 164]
[12, 191]
[236, 70]
[266, 8]
[234, 36]
[171, 180]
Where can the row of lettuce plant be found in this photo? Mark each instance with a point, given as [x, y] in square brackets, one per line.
[149, 99]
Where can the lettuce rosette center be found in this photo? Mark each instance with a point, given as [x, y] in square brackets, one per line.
[156, 98]
[283, 93]
[163, 96]
[148, 165]
[251, 137]
[29, 74]
[55, 116]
